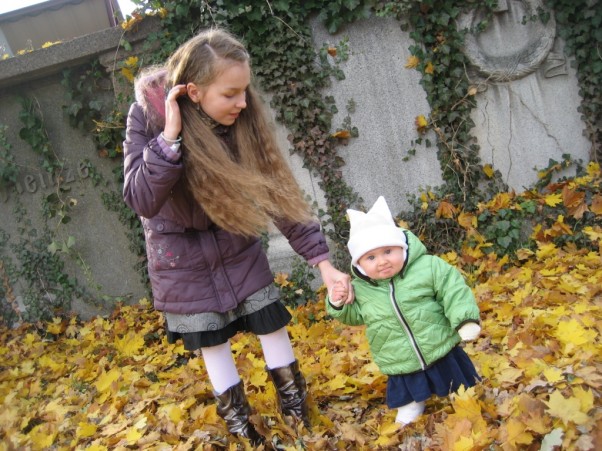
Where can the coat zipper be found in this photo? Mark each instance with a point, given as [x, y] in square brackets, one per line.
[405, 326]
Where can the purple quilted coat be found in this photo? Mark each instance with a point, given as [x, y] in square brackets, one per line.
[194, 266]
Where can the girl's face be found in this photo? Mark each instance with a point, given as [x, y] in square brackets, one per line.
[382, 262]
[225, 98]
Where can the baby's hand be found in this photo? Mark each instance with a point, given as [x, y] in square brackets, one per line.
[338, 294]
[469, 331]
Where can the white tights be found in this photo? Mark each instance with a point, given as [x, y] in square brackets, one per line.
[408, 413]
[222, 371]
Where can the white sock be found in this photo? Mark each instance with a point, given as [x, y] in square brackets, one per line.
[408, 413]
[220, 367]
[277, 349]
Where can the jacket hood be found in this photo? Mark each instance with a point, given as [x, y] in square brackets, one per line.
[416, 249]
[149, 89]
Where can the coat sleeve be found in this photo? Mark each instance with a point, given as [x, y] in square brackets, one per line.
[307, 240]
[459, 303]
[350, 314]
[148, 175]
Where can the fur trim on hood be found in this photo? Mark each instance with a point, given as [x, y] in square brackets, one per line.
[149, 89]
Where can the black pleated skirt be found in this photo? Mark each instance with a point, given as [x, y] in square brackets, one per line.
[262, 313]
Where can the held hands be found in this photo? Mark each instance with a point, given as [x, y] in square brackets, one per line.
[469, 331]
[332, 278]
[173, 120]
[338, 294]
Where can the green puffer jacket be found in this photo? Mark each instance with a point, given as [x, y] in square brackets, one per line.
[412, 318]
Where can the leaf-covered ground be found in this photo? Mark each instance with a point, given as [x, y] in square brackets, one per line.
[115, 383]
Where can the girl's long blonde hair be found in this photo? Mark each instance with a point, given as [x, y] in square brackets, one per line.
[245, 185]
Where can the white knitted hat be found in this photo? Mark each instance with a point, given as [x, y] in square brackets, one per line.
[372, 230]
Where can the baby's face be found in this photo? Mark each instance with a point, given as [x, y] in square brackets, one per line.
[383, 262]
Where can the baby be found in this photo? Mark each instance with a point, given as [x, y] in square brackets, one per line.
[417, 309]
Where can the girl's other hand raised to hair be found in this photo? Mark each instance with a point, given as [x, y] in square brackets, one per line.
[173, 120]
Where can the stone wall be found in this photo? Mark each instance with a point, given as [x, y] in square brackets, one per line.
[522, 121]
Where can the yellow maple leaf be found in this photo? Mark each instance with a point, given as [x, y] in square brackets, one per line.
[516, 433]
[106, 379]
[593, 169]
[127, 73]
[567, 409]
[553, 375]
[173, 412]
[413, 62]
[55, 327]
[585, 397]
[43, 436]
[464, 443]
[258, 379]
[553, 199]
[132, 435]
[130, 344]
[85, 429]
[466, 404]
[58, 409]
[132, 61]
[421, 123]
[388, 428]
[594, 233]
[545, 250]
[488, 170]
[338, 382]
[429, 69]
[467, 220]
[573, 333]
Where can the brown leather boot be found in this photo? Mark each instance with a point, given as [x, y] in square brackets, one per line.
[292, 391]
[233, 407]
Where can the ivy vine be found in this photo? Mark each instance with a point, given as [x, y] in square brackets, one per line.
[278, 36]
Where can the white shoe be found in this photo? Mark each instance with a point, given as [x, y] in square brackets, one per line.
[408, 413]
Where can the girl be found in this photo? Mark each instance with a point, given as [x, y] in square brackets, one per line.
[204, 173]
[416, 308]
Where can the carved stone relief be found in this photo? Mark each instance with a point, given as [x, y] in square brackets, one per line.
[514, 44]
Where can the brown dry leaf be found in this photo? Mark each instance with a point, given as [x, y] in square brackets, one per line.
[596, 206]
[352, 434]
[445, 210]
[574, 201]
[341, 134]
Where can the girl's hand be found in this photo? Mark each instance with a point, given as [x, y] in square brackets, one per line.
[332, 276]
[173, 120]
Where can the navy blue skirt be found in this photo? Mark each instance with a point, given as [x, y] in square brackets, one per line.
[445, 376]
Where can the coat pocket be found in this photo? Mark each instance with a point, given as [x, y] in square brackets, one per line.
[168, 246]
